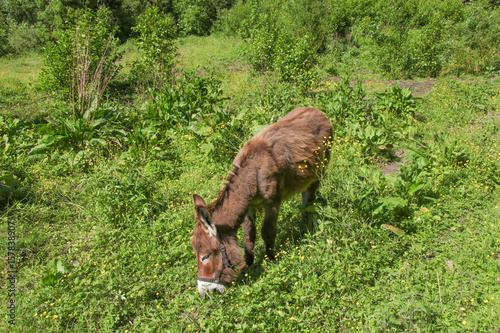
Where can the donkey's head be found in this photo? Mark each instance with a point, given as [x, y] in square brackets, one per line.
[216, 253]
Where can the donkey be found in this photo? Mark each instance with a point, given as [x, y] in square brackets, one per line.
[282, 160]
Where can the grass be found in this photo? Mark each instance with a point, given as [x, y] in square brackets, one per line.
[215, 53]
[103, 242]
[19, 95]
[18, 71]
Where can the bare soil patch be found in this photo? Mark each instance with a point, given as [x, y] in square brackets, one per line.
[418, 88]
[393, 166]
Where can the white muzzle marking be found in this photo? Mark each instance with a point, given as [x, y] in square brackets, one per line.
[205, 287]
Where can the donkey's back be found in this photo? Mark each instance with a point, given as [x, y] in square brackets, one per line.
[287, 155]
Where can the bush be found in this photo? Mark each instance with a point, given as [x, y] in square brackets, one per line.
[156, 40]
[195, 17]
[406, 40]
[428, 50]
[230, 20]
[475, 46]
[82, 62]
[4, 42]
[377, 125]
[23, 37]
[283, 37]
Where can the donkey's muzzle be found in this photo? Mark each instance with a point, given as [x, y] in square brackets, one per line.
[204, 288]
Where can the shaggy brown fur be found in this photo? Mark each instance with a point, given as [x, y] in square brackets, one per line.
[282, 160]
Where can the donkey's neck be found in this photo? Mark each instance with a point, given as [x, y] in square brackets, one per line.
[229, 209]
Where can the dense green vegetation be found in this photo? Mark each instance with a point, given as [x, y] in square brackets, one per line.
[400, 38]
[123, 112]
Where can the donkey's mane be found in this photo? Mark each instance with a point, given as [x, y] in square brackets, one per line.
[225, 189]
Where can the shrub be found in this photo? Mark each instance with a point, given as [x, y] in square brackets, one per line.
[72, 139]
[295, 59]
[428, 49]
[377, 125]
[195, 17]
[4, 43]
[23, 37]
[230, 20]
[156, 39]
[82, 62]
[475, 46]
[282, 37]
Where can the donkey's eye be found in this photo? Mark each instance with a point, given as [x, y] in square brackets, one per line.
[206, 258]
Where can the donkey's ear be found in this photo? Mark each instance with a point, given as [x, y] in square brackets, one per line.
[204, 215]
[198, 201]
[207, 221]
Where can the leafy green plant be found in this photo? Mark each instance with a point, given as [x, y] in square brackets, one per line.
[423, 165]
[7, 129]
[378, 126]
[63, 132]
[396, 101]
[145, 139]
[374, 141]
[9, 187]
[340, 101]
[194, 98]
[53, 273]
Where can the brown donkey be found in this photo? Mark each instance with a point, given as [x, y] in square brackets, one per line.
[282, 160]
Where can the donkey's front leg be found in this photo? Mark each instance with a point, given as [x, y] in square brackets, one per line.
[269, 229]
[249, 237]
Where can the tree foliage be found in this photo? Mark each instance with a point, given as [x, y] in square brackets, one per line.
[402, 38]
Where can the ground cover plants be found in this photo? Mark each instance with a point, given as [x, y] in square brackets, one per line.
[403, 236]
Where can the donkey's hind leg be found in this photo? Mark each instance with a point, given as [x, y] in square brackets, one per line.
[308, 196]
[249, 237]
[269, 229]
